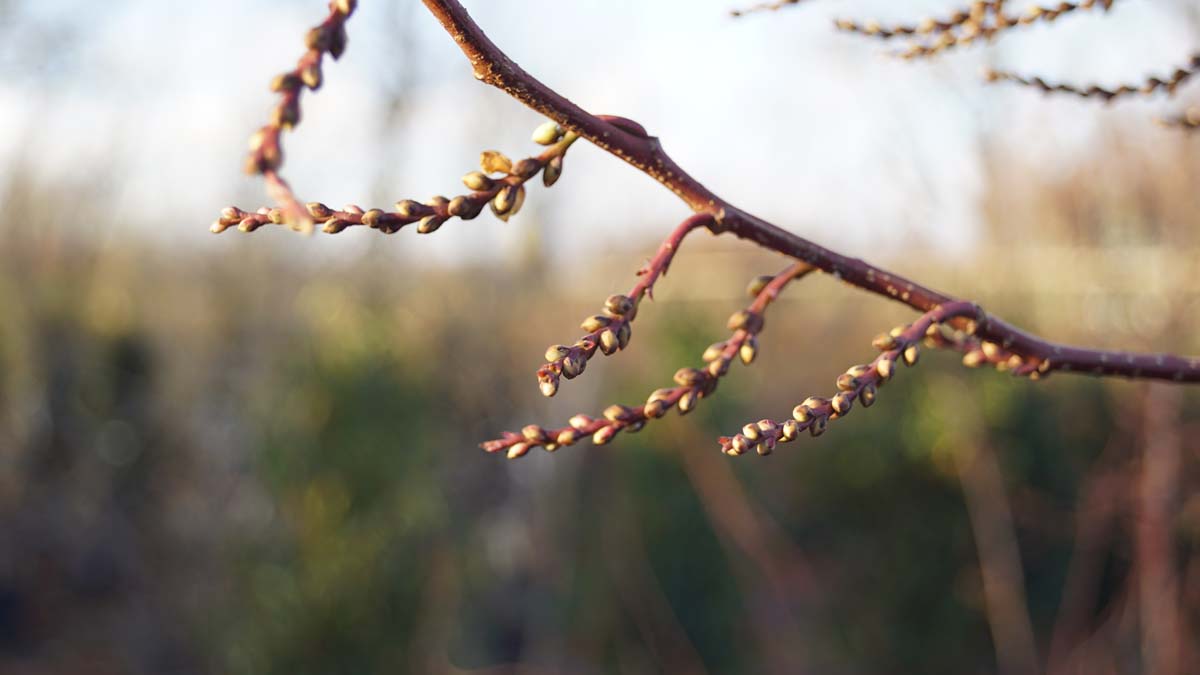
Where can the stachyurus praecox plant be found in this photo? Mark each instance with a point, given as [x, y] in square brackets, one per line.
[499, 185]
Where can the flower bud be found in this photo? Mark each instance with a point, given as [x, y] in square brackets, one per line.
[534, 433]
[548, 385]
[547, 133]
[372, 218]
[518, 450]
[654, 408]
[505, 202]
[748, 350]
[814, 402]
[556, 352]
[552, 171]
[687, 402]
[623, 334]
[758, 284]
[847, 382]
[478, 181]
[604, 435]
[713, 352]
[573, 365]
[310, 75]
[595, 323]
[430, 224]
[884, 342]
[911, 354]
[616, 412]
[409, 208]
[740, 444]
[335, 225]
[867, 396]
[492, 161]
[285, 82]
[319, 211]
[885, 368]
[789, 431]
[718, 368]
[751, 431]
[608, 342]
[818, 426]
[580, 422]
[688, 377]
[843, 402]
[619, 304]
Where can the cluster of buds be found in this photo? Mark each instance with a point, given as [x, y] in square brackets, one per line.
[1147, 88]
[692, 384]
[952, 325]
[983, 21]
[266, 152]
[498, 185]
[607, 333]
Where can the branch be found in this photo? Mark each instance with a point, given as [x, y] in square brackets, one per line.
[693, 383]
[266, 151]
[500, 185]
[630, 142]
[611, 330]
[976, 25]
[859, 383]
[1146, 88]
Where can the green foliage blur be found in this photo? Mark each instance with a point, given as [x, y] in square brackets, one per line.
[230, 462]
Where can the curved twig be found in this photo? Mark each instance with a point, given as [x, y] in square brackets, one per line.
[503, 193]
[694, 384]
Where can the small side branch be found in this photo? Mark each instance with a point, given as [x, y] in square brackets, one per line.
[499, 185]
[1149, 87]
[610, 331]
[693, 384]
[266, 149]
[858, 384]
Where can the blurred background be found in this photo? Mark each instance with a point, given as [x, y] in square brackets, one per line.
[257, 454]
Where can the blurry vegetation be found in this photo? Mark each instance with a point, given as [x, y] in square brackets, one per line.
[233, 463]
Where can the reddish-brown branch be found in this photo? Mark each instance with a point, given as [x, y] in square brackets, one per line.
[628, 141]
[858, 384]
[504, 193]
[693, 383]
[266, 148]
[610, 332]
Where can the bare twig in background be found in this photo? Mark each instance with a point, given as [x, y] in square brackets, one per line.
[999, 559]
[1149, 87]
[1104, 495]
[1158, 491]
[266, 150]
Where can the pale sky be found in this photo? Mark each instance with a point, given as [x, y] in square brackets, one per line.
[818, 131]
